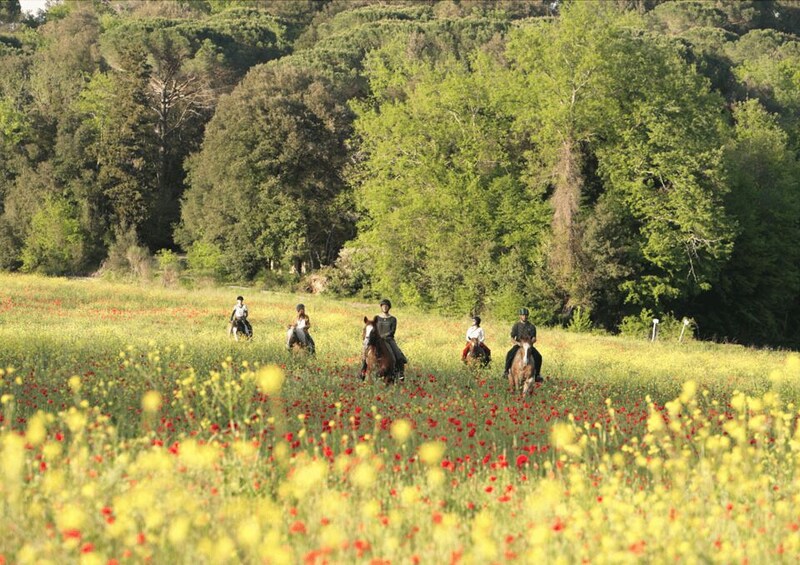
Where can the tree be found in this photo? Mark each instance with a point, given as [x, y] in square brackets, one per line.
[266, 185]
[116, 106]
[10, 11]
[55, 243]
[446, 221]
[757, 295]
[618, 121]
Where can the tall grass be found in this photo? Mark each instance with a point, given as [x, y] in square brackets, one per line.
[133, 428]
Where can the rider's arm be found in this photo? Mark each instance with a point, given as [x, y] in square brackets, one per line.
[392, 322]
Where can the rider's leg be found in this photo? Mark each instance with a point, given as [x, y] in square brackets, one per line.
[537, 363]
[312, 347]
[363, 373]
[510, 359]
[289, 334]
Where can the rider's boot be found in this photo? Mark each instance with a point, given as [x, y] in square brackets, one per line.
[363, 373]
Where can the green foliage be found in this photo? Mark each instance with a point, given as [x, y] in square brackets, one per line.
[605, 132]
[669, 327]
[266, 185]
[169, 265]
[13, 125]
[55, 243]
[205, 259]
[759, 286]
[350, 275]
[438, 154]
[10, 11]
[581, 321]
[127, 258]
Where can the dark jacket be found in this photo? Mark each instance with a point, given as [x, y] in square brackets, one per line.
[387, 327]
[522, 329]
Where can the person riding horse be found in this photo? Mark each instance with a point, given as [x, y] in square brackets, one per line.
[298, 331]
[387, 326]
[238, 319]
[475, 332]
[524, 329]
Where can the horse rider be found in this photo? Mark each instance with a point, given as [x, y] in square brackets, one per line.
[299, 330]
[386, 326]
[475, 331]
[239, 316]
[521, 330]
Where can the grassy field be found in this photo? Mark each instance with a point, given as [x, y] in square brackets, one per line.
[133, 429]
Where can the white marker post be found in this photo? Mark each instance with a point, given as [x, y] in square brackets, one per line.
[655, 329]
[683, 329]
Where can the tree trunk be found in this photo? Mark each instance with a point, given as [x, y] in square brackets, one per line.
[565, 258]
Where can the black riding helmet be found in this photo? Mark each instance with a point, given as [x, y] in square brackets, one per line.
[523, 311]
[387, 302]
[300, 307]
[477, 320]
[240, 298]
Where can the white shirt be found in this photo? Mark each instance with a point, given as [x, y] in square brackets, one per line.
[239, 311]
[476, 331]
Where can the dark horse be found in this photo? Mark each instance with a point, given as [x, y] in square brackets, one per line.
[240, 327]
[377, 353]
[477, 353]
[294, 343]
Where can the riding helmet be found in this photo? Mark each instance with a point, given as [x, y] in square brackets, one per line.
[300, 307]
[386, 301]
[477, 320]
[523, 311]
[240, 298]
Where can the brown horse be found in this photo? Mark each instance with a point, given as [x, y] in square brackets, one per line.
[476, 354]
[379, 356]
[521, 373]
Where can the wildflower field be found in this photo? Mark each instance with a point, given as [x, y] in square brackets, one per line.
[133, 429]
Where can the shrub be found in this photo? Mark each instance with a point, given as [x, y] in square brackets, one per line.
[56, 243]
[169, 263]
[581, 321]
[669, 327]
[350, 274]
[127, 258]
[205, 259]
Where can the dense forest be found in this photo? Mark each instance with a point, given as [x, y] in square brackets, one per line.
[601, 162]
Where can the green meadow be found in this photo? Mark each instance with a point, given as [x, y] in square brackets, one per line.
[134, 428]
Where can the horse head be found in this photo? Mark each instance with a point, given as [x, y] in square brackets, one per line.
[370, 333]
[474, 347]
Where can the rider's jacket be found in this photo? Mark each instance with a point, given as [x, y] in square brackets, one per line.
[387, 326]
[476, 332]
[302, 322]
[239, 312]
[522, 330]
